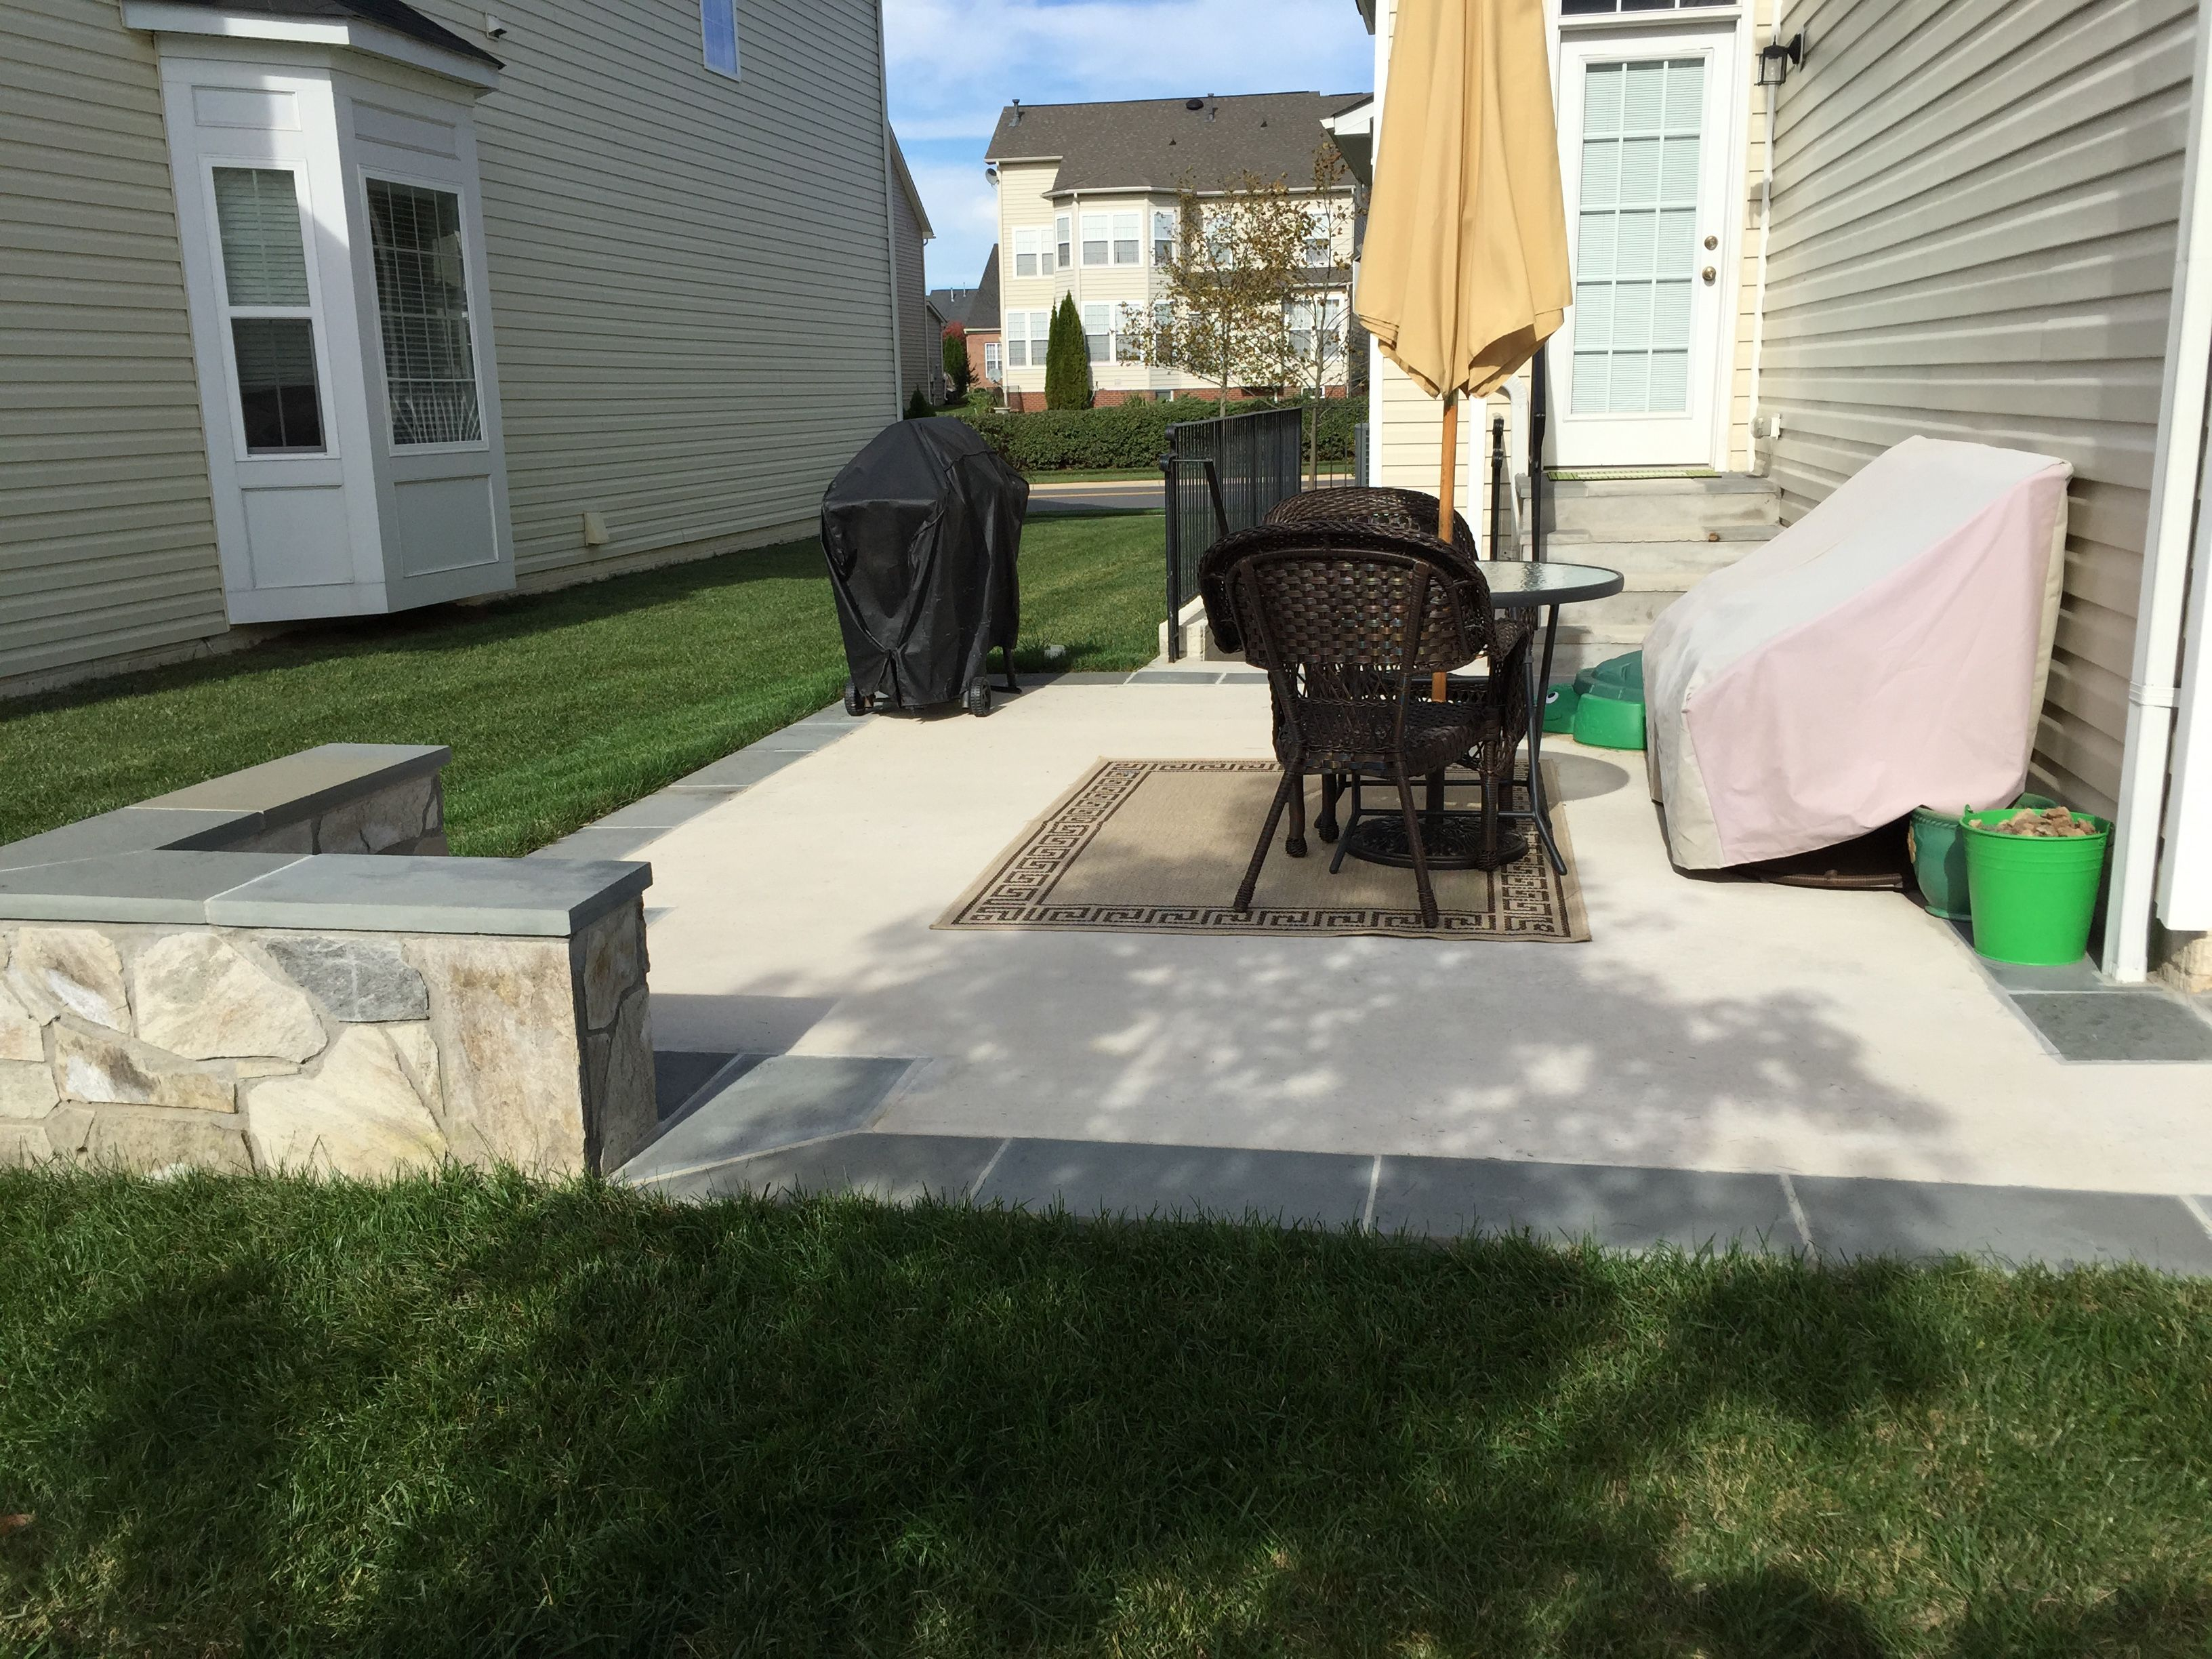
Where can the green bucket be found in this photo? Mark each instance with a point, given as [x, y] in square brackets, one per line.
[2032, 899]
[1610, 717]
[1938, 845]
[1559, 704]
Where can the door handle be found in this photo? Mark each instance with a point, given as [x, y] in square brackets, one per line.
[1709, 275]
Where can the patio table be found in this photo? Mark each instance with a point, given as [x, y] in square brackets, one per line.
[1453, 840]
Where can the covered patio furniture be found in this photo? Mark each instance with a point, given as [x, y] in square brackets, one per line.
[1887, 651]
[1348, 634]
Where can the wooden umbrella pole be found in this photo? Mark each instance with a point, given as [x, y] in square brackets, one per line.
[1447, 487]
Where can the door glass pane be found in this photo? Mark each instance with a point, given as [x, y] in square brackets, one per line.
[257, 212]
[1636, 238]
[422, 304]
[276, 383]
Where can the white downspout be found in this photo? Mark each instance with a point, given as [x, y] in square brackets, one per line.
[2175, 481]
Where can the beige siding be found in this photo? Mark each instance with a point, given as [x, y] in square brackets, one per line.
[107, 535]
[690, 274]
[1973, 238]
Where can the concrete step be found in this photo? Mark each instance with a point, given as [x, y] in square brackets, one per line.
[1660, 509]
[1675, 565]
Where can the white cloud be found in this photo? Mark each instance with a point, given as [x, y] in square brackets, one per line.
[954, 64]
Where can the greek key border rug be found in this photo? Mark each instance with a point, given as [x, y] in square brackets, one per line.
[1144, 847]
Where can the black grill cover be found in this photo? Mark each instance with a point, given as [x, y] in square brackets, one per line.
[922, 529]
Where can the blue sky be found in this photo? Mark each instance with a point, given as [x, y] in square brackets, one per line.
[955, 63]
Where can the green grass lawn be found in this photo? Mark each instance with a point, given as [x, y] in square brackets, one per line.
[559, 707]
[474, 1416]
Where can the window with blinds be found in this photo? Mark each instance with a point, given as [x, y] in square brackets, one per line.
[1099, 333]
[423, 308]
[270, 307]
[718, 35]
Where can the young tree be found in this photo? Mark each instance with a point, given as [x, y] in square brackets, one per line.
[1067, 360]
[958, 374]
[917, 407]
[1257, 286]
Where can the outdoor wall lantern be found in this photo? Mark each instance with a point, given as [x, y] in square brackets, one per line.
[1778, 58]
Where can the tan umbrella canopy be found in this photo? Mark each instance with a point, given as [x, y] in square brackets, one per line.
[1464, 270]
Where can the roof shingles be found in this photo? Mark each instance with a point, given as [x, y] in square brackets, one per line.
[1162, 143]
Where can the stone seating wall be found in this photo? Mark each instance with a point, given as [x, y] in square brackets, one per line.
[280, 970]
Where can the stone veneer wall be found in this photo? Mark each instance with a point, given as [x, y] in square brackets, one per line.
[157, 1046]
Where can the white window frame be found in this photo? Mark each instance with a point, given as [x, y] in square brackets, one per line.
[1038, 250]
[1040, 336]
[381, 379]
[1135, 219]
[1103, 241]
[994, 362]
[1060, 231]
[1163, 246]
[1098, 345]
[720, 8]
[325, 404]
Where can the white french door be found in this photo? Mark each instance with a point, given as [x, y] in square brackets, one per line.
[1646, 139]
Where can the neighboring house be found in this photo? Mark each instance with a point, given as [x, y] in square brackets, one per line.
[1976, 214]
[323, 308]
[976, 312]
[921, 360]
[1088, 207]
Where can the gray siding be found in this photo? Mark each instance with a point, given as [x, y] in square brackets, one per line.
[690, 274]
[921, 354]
[1973, 238]
[107, 535]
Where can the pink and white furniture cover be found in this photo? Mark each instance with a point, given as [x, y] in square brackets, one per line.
[1887, 651]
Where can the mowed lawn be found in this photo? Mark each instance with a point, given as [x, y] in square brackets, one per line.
[468, 1415]
[559, 707]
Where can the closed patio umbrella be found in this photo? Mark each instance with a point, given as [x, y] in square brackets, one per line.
[1464, 270]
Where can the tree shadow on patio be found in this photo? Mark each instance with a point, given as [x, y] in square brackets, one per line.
[468, 1416]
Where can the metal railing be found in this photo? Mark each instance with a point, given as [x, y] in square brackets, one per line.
[1223, 475]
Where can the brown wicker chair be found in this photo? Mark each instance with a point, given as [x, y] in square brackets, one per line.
[1337, 519]
[1349, 636]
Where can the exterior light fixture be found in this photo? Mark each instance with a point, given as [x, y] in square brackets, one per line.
[1778, 58]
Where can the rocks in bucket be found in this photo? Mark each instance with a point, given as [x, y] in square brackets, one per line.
[2049, 824]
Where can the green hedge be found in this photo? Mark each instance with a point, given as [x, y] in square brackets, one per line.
[1133, 434]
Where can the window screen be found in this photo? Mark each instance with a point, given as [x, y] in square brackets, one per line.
[991, 359]
[1026, 242]
[1060, 234]
[1124, 238]
[718, 31]
[272, 330]
[1097, 231]
[422, 304]
[1162, 237]
[1098, 331]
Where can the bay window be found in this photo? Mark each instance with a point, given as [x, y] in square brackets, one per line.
[1125, 244]
[1097, 236]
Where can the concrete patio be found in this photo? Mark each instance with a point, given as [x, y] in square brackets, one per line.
[1725, 1060]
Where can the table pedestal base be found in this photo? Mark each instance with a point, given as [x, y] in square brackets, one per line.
[1452, 840]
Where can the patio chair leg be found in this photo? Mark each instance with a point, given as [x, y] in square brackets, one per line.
[1419, 852]
[1490, 785]
[1267, 836]
[1295, 845]
[1325, 825]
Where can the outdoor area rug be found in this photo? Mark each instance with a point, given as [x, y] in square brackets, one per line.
[1159, 846]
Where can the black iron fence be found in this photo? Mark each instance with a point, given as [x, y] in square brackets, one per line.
[1223, 475]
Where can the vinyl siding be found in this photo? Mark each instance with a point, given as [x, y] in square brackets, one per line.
[690, 274]
[1973, 238]
[921, 357]
[106, 533]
